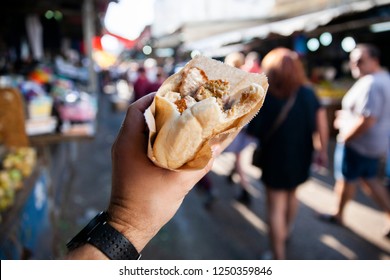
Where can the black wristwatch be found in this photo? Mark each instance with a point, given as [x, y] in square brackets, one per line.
[107, 239]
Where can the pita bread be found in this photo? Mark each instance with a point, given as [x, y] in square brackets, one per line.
[206, 103]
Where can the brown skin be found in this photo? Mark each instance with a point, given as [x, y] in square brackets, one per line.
[144, 197]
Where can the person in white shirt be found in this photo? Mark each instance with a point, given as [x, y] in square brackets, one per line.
[364, 127]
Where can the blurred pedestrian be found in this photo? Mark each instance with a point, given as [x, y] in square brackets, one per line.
[141, 83]
[387, 171]
[205, 184]
[237, 59]
[364, 128]
[252, 63]
[160, 78]
[241, 141]
[294, 115]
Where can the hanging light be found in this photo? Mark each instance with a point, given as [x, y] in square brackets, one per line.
[380, 27]
[58, 15]
[49, 14]
[326, 39]
[348, 44]
[147, 50]
[313, 44]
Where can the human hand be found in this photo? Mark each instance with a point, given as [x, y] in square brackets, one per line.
[340, 137]
[144, 197]
[338, 119]
[321, 160]
[342, 122]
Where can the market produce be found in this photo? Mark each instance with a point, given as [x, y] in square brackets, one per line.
[22, 159]
[17, 164]
[7, 191]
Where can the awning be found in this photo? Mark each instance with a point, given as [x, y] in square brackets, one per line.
[284, 27]
[197, 31]
[308, 22]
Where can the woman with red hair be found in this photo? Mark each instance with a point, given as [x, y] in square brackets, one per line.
[290, 117]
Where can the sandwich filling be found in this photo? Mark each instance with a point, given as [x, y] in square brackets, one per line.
[196, 86]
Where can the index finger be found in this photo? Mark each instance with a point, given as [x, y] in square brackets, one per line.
[143, 103]
[135, 113]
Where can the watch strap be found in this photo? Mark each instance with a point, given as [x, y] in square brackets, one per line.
[112, 243]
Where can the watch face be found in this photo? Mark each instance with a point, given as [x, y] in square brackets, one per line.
[83, 235]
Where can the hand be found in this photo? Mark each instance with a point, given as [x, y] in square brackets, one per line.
[340, 138]
[338, 119]
[144, 197]
[321, 159]
[340, 123]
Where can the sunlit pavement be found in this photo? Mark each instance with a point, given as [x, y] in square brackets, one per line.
[227, 229]
[232, 230]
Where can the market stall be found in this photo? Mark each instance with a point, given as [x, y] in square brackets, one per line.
[36, 111]
[48, 106]
[19, 171]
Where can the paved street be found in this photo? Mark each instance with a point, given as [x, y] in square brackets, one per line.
[231, 230]
[227, 230]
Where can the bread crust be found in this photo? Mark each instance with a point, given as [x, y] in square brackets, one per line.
[181, 138]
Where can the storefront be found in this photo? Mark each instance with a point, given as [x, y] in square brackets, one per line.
[48, 101]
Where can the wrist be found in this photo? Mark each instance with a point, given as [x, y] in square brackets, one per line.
[139, 236]
[340, 138]
[107, 239]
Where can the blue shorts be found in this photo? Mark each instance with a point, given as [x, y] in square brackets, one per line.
[351, 165]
